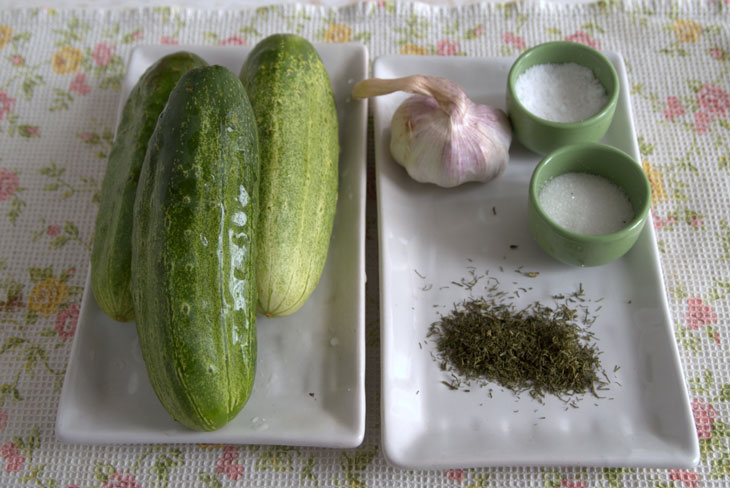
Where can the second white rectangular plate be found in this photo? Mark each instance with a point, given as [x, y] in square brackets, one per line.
[310, 379]
[431, 237]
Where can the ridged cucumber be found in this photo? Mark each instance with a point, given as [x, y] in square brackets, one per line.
[193, 250]
[292, 97]
[111, 254]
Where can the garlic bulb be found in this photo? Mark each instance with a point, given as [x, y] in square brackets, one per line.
[440, 136]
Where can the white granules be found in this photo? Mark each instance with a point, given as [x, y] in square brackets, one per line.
[586, 203]
[566, 92]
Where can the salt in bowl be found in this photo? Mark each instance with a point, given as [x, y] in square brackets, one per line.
[576, 248]
[541, 135]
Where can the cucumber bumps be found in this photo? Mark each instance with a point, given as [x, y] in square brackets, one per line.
[292, 97]
[111, 255]
[193, 250]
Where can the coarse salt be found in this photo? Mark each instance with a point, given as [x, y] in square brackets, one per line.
[565, 92]
[586, 203]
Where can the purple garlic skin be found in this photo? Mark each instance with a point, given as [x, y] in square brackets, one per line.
[450, 145]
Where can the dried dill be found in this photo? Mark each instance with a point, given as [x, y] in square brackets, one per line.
[538, 349]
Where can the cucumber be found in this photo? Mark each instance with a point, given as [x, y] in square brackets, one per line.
[111, 254]
[193, 250]
[292, 97]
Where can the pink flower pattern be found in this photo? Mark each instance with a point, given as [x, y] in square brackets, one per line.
[17, 60]
[704, 415]
[8, 183]
[673, 108]
[87, 137]
[53, 230]
[447, 47]
[699, 314]
[31, 131]
[121, 480]
[3, 419]
[660, 223]
[14, 459]
[7, 104]
[228, 463]
[690, 479]
[717, 53]
[455, 475]
[103, 54]
[168, 40]
[566, 483]
[702, 122]
[583, 38]
[233, 41]
[66, 321]
[78, 85]
[713, 100]
[513, 40]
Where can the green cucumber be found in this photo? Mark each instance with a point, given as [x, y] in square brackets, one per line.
[193, 250]
[111, 254]
[292, 97]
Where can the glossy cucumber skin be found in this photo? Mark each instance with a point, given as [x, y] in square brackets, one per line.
[193, 250]
[111, 253]
[292, 97]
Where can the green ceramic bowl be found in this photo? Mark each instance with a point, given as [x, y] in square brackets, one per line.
[541, 135]
[598, 159]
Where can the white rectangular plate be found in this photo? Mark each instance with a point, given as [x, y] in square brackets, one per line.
[309, 387]
[430, 236]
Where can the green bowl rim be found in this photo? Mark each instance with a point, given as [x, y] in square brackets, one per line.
[608, 107]
[639, 217]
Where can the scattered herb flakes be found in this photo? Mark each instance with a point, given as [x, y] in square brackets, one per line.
[529, 274]
[450, 386]
[539, 349]
[494, 210]
[419, 274]
[513, 246]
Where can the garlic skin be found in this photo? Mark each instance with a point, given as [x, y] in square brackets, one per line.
[448, 149]
[440, 136]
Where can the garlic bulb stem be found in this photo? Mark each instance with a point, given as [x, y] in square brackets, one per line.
[447, 94]
[440, 136]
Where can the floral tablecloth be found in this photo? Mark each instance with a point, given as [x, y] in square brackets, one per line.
[60, 74]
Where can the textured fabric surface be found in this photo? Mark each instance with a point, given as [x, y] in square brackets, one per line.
[60, 73]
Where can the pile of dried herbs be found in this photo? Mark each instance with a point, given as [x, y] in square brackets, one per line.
[538, 349]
